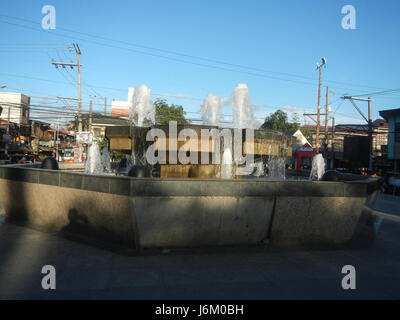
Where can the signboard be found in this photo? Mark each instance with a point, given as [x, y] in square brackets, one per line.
[76, 154]
[43, 143]
[84, 137]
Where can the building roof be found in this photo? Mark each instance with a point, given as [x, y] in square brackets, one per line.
[107, 120]
[361, 128]
[390, 113]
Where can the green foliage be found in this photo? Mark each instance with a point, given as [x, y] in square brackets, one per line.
[166, 113]
[146, 122]
[102, 143]
[117, 156]
[308, 133]
[114, 155]
[279, 121]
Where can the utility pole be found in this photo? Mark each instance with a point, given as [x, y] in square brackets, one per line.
[8, 129]
[369, 121]
[90, 115]
[319, 67]
[57, 141]
[319, 109]
[333, 143]
[8, 119]
[105, 102]
[72, 65]
[326, 119]
[370, 132]
[78, 58]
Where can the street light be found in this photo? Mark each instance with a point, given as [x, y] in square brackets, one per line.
[319, 67]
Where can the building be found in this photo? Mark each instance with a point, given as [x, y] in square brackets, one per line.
[333, 144]
[122, 108]
[14, 108]
[14, 124]
[393, 118]
[300, 138]
[97, 123]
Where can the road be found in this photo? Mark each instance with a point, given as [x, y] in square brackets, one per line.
[86, 272]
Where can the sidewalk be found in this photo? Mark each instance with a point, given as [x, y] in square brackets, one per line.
[85, 272]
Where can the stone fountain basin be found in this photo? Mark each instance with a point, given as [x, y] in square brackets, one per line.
[167, 213]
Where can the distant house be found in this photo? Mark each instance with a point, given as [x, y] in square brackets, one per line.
[122, 109]
[303, 156]
[300, 138]
[14, 108]
[333, 144]
[393, 118]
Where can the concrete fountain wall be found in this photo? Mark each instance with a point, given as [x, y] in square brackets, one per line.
[165, 213]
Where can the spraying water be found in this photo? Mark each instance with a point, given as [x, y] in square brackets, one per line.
[226, 166]
[242, 110]
[276, 168]
[211, 110]
[142, 106]
[318, 167]
[105, 160]
[258, 169]
[93, 163]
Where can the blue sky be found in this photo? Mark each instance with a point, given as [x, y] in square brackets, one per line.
[280, 40]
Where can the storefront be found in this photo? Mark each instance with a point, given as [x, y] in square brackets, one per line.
[303, 157]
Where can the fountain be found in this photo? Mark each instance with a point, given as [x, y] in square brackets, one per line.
[258, 169]
[226, 166]
[276, 168]
[93, 163]
[142, 212]
[142, 106]
[276, 165]
[242, 110]
[142, 114]
[211, 110]
[318, 168]
[105, 160]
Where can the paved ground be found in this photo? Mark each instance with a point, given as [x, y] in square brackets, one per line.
[87, 272]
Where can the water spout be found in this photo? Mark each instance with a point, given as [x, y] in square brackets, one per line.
[241, 108]
[105, 160]
[93, 163]
[276, 167]
[318, 168]
[226, 166]
[142, 106]
[211, 110]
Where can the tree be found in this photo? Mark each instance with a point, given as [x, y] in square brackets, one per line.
[166, 113]
[279, 121]
[308, 133]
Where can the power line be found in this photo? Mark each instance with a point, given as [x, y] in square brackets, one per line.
[179, 60]
[187, 55]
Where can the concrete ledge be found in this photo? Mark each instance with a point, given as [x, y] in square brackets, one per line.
[202, 221]
[315, 220]
[184, 187]
[165, 213]
[97, 215]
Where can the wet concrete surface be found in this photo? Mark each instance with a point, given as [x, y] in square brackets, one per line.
[86, 272]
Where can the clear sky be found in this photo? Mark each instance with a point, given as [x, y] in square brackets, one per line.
[272, 46]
